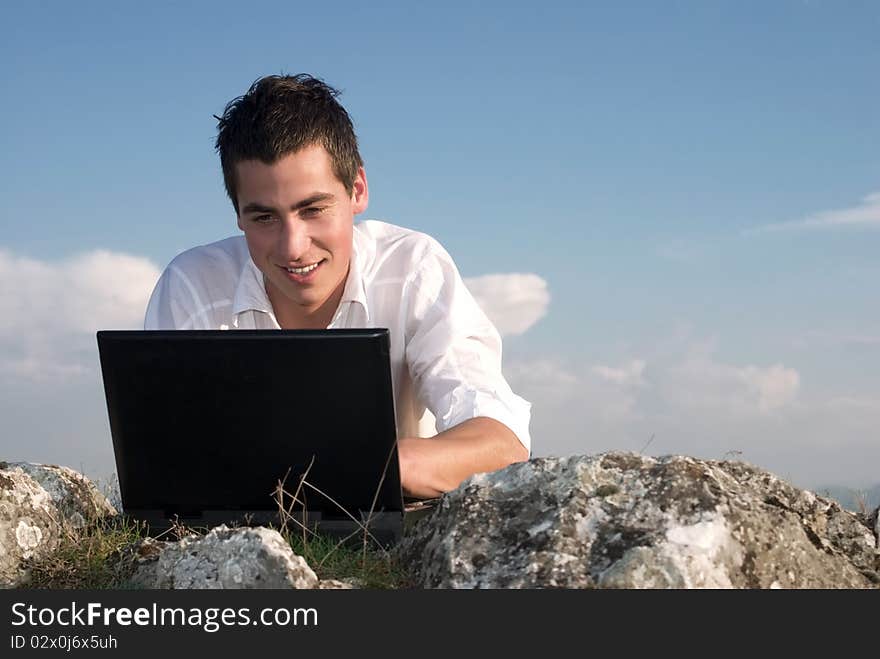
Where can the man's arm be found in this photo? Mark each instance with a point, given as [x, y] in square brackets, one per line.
[429, 467]
[453, 352]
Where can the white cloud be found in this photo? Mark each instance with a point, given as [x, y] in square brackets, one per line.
[774, 387]
[688, 387]
[513, 302]
[700, 382]
[855, 404]
[824, 339]
[573, 401]
[862, 339]
[866, 214]
[543, 378]
[545, 372]
[110, 290]
[630, 374]
[49, 312]
[684, 396]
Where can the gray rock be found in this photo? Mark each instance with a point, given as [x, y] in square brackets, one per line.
[621, 520]
[223, 558]
[39, 503]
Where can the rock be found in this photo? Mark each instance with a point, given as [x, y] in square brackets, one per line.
[38, 503]
[223, 558]
[621, 520]
[335, 584]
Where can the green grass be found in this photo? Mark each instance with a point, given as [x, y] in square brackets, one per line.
[97, 556]
[101, 556]
[368, 566]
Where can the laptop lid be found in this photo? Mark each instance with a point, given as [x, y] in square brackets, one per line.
[205, 423]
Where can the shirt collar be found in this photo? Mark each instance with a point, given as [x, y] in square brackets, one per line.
[250, 293]
[355, 286]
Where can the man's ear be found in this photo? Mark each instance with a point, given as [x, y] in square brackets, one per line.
[240, 222]
[360, 192]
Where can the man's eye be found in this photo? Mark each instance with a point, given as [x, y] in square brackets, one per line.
[313, 211]
[263, 219]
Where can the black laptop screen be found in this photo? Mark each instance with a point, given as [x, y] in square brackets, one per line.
[214, 419]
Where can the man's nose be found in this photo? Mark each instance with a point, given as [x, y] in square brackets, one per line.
[294, 241]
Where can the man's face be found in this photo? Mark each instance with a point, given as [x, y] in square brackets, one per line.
[295, 214]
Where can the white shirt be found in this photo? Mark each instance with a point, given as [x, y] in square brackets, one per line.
[445, 352]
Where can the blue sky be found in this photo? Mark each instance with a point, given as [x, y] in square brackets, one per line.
[689, 183]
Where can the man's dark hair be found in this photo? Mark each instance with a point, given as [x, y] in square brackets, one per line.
[280, 115]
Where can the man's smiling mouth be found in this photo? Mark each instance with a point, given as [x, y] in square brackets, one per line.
[304, 270]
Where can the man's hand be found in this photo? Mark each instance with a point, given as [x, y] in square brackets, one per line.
[430, 467]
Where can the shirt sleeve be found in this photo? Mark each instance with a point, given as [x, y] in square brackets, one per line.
[454, 351]
[172, 302]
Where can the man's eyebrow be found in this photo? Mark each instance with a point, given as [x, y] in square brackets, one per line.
[255, 207]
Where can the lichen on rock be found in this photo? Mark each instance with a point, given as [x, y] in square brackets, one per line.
[623, 520]
[224, 558]
[38, 503]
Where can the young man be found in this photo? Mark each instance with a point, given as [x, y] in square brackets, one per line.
[296, 180]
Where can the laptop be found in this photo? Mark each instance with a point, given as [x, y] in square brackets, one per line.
[232, 426]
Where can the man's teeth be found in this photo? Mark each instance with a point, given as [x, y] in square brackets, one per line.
[302, 271]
